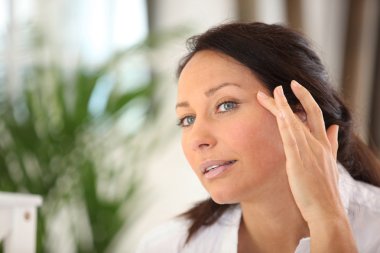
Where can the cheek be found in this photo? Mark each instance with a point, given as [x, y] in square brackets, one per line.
[258, 141]
[188, 152]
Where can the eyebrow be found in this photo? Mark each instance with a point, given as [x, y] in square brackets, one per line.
[209, 93]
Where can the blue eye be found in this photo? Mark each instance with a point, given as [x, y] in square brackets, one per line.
[226, 106]
[186, 121]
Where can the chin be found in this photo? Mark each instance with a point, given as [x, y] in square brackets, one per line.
[223, 198]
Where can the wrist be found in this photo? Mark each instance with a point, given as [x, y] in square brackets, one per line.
[327, 217]
[332, 235]
[329, 223]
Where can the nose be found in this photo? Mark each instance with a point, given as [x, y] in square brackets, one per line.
[202, 138]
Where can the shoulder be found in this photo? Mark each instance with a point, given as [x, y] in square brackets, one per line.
[362, 196]
[364, 214]
[168, 237]
[357, 194]
[367, 196]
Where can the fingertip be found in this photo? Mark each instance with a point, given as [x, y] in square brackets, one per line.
[279, 90]
[267, 102]
[336, 133]
[333, 130]
[262, 98]
[261, 95]
[295, 85]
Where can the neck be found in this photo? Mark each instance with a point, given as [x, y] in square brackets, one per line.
[272, 223]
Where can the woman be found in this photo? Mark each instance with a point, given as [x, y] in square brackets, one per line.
[279, 158]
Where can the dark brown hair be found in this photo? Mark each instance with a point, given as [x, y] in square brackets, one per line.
[276, 55]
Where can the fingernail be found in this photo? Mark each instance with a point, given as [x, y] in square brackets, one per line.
[295, 84]
[280, 91]
[262, 95]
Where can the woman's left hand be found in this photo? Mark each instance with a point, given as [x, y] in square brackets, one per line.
[310, 152]
[311, 167]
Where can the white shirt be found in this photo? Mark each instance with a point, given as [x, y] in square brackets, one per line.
[361, 201]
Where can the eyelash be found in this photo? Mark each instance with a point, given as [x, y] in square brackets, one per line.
[236, 104]
[181, 120]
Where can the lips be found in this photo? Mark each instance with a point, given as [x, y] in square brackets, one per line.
[208, 166]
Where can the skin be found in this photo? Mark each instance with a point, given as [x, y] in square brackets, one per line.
[278, 188]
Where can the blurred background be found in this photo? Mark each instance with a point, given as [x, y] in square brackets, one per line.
[87, 94]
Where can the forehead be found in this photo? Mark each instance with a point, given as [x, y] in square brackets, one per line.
[207, 69]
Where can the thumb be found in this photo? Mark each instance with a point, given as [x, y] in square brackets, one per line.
[332, 135]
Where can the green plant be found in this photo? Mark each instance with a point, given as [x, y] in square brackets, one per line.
[79, 159]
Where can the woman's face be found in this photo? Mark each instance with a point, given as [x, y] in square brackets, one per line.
[231, 142]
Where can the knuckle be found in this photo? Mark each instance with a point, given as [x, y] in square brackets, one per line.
[320, 150]
[334, 143]
[303, 95]
[317, 110]
[283, 103]
[333, 147]
[291, 142]
[297, 126]
[284, 127]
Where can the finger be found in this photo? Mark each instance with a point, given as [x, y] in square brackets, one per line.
[291, 128]
[267, 102]
[293, 158]
[293, 123]
[332, 135]
[270, 104]
[313, 111]
[306, 141]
